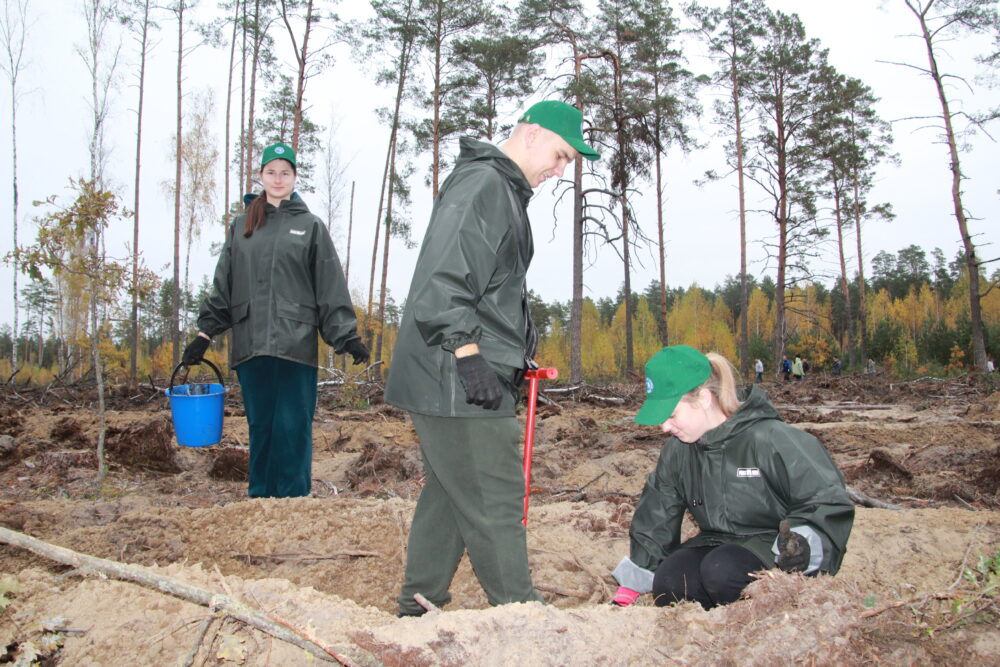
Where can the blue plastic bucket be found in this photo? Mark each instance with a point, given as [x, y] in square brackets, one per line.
[197, 410]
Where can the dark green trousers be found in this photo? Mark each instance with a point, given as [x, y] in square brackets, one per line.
[472, 501]
[279, 397]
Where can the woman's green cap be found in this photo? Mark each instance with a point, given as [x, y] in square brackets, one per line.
[564, 120]
[278, 151]
[671, 373]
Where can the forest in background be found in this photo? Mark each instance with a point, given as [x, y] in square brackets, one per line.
[800, 132]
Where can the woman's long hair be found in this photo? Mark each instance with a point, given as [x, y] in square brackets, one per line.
[255, 215]
[721, 383]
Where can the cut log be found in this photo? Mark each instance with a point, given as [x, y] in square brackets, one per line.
[140, 575]
[867, 501]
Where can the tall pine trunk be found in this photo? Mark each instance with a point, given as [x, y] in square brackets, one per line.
[741, 188]
[134, 352]
[862, 302]
[302, 58]
[971, 262]
[664, 333]
[848, 323]
[176, 305]
[238, 5]
[257, 42]
[779, 292]
[387, 172]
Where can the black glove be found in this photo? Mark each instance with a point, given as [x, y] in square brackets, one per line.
[358, 351]
[195, 350]
[481, 384]
[793, 549]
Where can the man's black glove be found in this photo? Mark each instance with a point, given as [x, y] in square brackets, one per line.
[195, 350]
[793, 549]
[481, 384]
[358, 351]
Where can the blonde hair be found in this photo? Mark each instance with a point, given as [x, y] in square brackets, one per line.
[721, 384]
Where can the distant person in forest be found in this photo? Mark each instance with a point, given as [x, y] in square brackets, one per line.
[870, 367]
[989, 365]
[837, 366]
[758, 367]
[786, 368]
[278, 283]
[464, 342]
[797, 371]
[806, 366]
[763, 493]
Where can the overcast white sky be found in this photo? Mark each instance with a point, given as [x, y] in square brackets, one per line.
[701, 223]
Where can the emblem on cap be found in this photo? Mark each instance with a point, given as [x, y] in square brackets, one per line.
[649, 386]
[279, 150]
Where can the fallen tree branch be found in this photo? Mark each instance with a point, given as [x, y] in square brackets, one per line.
[564, 592]
[425, 603]
[279, 557]
[923, 597]
[867, 501]
[605, 399]
[199, 638]
[177, 588]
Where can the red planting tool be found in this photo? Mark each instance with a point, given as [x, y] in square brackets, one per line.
[532, 376]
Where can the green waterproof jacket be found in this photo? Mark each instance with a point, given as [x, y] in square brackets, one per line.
[278, 288]
[739, 481]
[467, 287]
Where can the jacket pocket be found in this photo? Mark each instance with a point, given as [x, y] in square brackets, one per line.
[298, 311]
[239, 312]
[242, 331]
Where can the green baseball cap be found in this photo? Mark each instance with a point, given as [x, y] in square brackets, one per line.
[564, 120]
[671, 373]
[278, 151]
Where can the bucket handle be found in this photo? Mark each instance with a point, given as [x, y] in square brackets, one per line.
[215, 368]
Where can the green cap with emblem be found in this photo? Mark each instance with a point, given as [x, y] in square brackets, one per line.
[278, 151]
[564, 120]
[671, 373]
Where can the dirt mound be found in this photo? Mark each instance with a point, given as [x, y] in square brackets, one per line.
[70, 433]
[146, 444]
[231, 463]
[381, 464]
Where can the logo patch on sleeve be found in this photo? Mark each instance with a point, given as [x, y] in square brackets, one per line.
[297, 232]
[748, 472]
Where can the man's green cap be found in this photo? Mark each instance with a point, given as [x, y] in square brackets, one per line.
[278, 151]
[564, 120]
[671, 373]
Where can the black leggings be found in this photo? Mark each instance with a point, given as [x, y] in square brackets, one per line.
[708, 575]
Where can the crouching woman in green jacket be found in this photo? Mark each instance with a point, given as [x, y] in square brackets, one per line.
[278, 284]
[764, 494]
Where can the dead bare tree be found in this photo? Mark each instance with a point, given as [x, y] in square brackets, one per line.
[139, 23]
[14, 24]
[940, 20]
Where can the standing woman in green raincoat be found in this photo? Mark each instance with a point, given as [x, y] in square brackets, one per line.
[764, 494]
[278, 284]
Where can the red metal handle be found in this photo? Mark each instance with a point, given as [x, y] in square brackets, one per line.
[532, 376]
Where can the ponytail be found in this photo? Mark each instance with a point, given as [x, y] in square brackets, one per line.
[721, 383]
[255, 215]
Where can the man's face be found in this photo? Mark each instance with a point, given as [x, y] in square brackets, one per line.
[548, 155]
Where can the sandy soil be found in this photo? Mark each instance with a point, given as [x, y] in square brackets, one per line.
[330, 565]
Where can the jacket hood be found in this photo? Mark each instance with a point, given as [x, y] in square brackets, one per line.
[473, 150]
[754, 408]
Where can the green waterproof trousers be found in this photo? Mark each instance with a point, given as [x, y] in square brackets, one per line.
[280, 399]
[472, 501]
